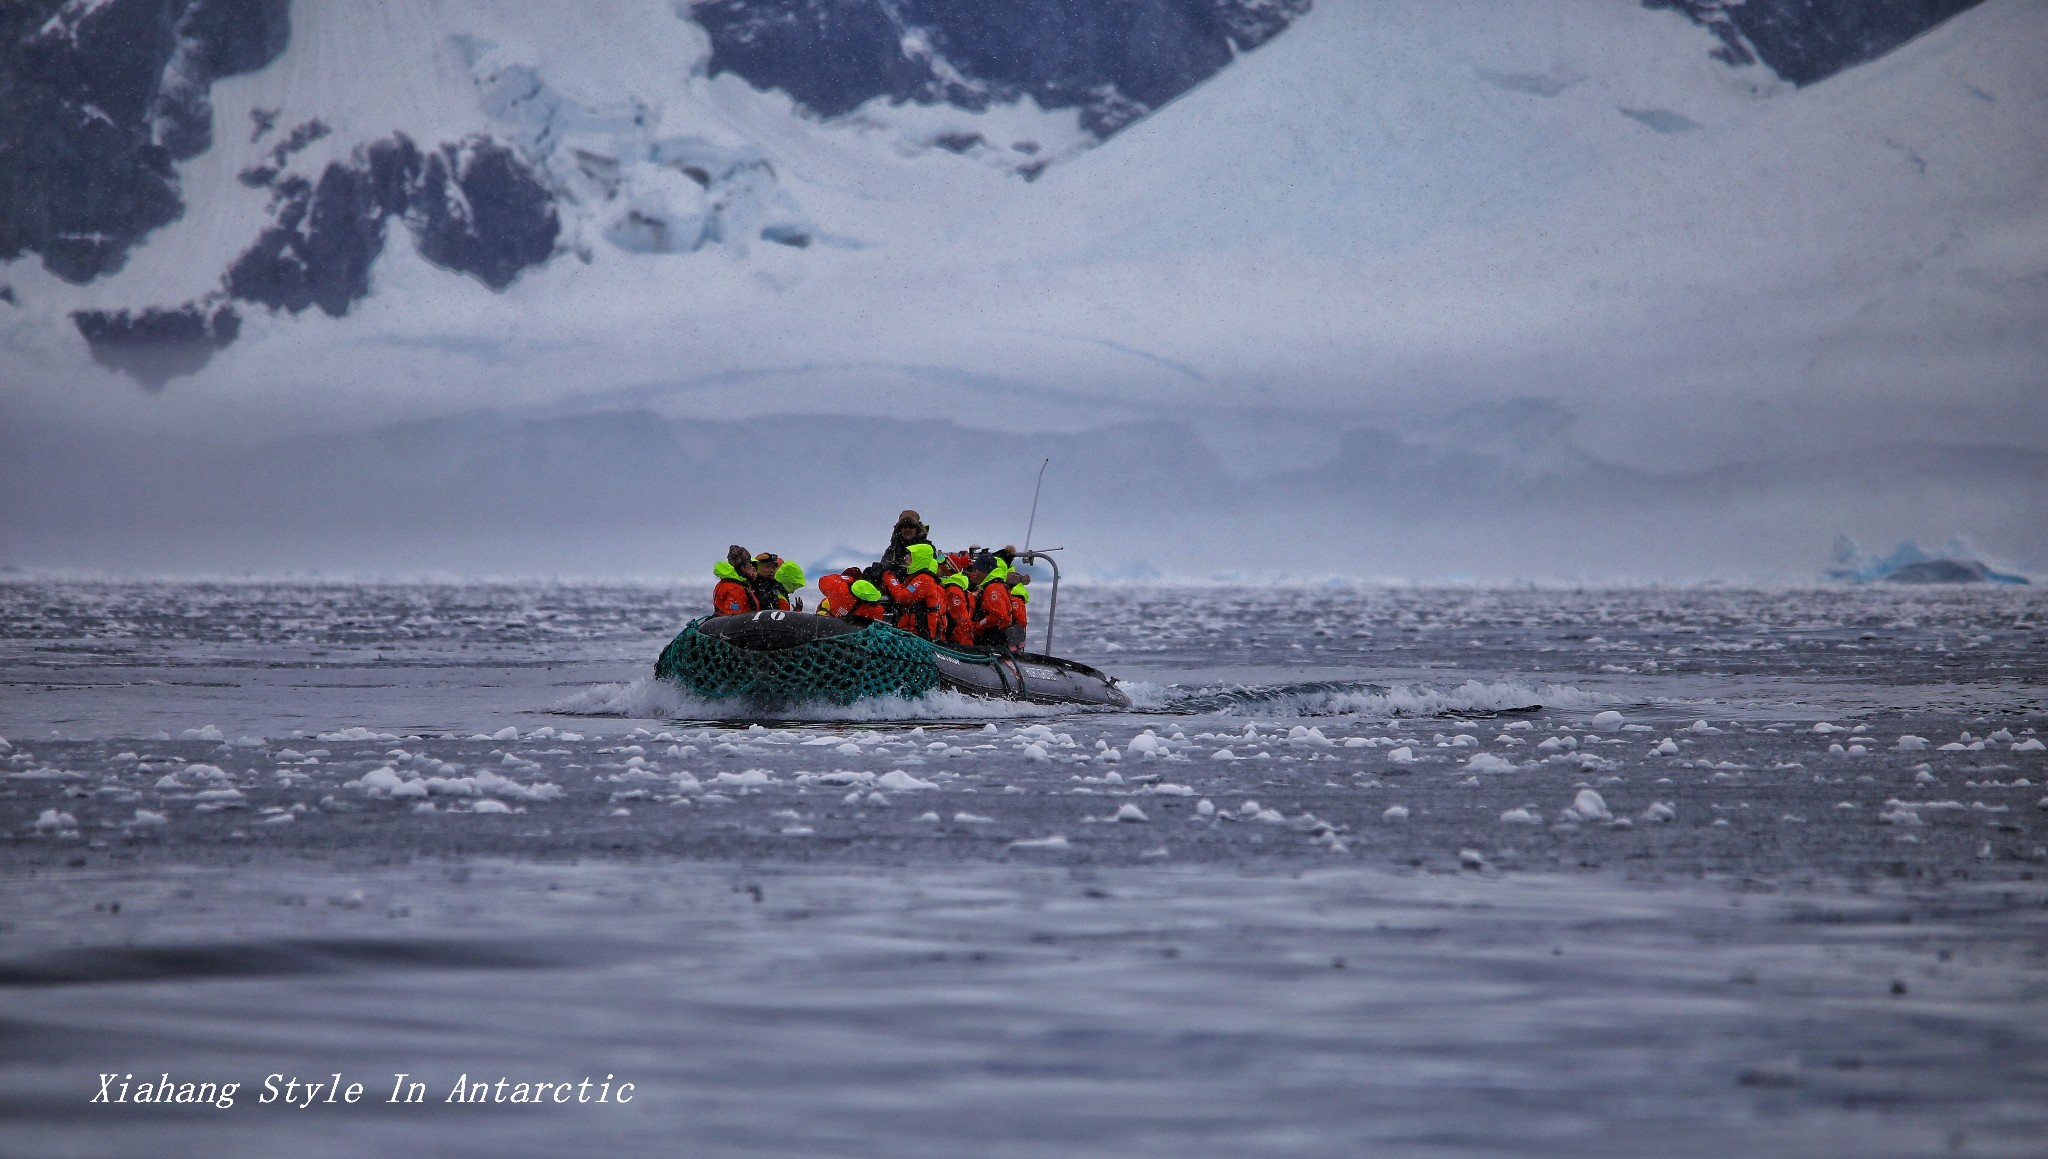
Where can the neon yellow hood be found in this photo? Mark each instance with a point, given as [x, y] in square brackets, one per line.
[724, 571]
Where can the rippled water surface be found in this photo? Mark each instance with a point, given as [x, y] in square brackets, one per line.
[1365, 870]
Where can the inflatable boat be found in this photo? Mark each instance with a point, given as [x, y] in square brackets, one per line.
[769, 659]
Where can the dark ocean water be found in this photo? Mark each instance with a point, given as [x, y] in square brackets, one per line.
[1365, 871]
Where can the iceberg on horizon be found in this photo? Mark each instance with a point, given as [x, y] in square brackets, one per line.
[1908, 564]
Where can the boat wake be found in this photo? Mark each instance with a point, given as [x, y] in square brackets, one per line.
[1358, 698]
[663, 700]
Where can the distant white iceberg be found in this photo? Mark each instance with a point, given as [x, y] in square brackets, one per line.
[1908, 564]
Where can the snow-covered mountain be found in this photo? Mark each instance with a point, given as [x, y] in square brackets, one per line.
[1349, 257]
[504, 170]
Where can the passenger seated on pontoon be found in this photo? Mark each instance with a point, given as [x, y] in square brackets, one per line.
[920, 600]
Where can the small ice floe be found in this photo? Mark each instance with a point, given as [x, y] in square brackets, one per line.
[1395, 813]
[1130, 813]
[874, 800]
[898, 781]
[1053, 842]
[977, 819]
[210, 732]
[1311, 737]
[279, 818]
[506, 733]
[1168, 789]
[1521, 816]
[745, 778]
[1700, 726]
[2002, 736]
[1207, 808]
[1667, 748]
[1402, 756]
[1898, 814]
[144, 819]
[932, 818]
[1471, 859]
[1558, 744]
[361, 734]
[1910, 744]
[1609, 721]
[2030, 745]
[1925, 776]
[1659, 811]
[55, 821]
[1589, 806]
[1984, 852]
[1224, 754]
[1489, 763]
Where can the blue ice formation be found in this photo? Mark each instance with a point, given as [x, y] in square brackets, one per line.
[1908, 564]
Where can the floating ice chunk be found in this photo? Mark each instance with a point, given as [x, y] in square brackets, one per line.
[1659, 811]
[53, 821]
[746, 777]
[972, 819]
[1911, 744]
[1471, 859]
[1207, 808]
[379, 780]
[359, 733]
[874, 800]
[1130, 813]
[1053, 842]
[1925, 777]
[898, 781]
[1700, 726]
[1558, 744]
[487, 805]
[2002, 736]
[1248, 809]
[1898, 814]
[1146, 743]
[1609, 721]
[1668, 748]
[1589, 806]
[210, 732]
[2030, 745]
[1395, 813]
[1224, 755]
[1356, 742]
[279, 819]
[410, 789]
[848, 749]
[1489, 763]
[506, 733]
[169, 781]
[144, 819]
[249, 742]
[219, 796]
[1036, 752]
[1402, 756]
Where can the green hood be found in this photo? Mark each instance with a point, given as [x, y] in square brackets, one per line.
[790, 575]
[920, 557]
[724, 571]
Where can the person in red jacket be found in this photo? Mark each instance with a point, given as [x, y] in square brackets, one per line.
[838, 598]
[991, 603]
[1020, 608]
[920, 601]
[734, 595]
[959, 606]
[867, 602]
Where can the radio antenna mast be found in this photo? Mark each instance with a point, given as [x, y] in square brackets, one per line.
[1031, 526]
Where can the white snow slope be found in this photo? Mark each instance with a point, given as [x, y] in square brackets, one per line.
[1394, 207]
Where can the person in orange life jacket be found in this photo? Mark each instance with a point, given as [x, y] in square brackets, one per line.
[1020, 605]
[789, 576]
[837, 599]
[991, 602]
[959, 605]
[867, 602]
[920, 601]
[734, 595]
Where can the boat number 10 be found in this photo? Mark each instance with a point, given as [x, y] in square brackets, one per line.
[770, 615]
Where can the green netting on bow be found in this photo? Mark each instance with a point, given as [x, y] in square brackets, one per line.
[877, 661]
